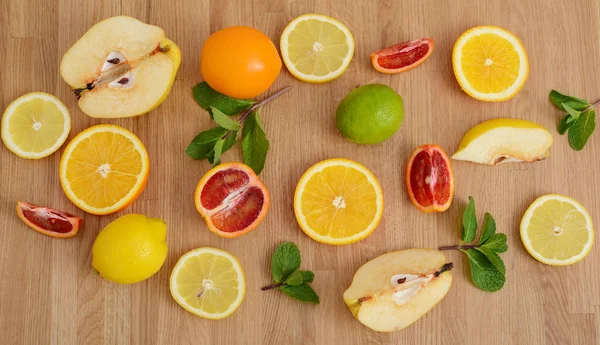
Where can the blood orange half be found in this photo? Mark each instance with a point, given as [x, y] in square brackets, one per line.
[231, 199]
[48, 221]
[429, 179]
[402, 56]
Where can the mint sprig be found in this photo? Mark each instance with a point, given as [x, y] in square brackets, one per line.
[212, 143]
[287, 276]
[487, 268]
[580, 120]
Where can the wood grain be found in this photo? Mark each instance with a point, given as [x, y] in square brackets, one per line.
[49, 295]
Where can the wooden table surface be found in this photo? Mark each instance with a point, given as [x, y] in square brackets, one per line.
[49, 294]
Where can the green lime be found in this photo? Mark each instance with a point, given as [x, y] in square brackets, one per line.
[370, 114]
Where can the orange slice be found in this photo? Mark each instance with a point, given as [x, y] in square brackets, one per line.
[48, 221]
[429, 179]
[104, 169]
[402, 56]
[338, 201]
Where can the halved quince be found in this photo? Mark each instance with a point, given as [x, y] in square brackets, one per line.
[395, 289]
[121, 67]
[505, 140]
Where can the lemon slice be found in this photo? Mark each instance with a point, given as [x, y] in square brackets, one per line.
[557, 230]
[316, 48]
[208, 282]
[338, 201]
[35, 125]
[490, 63]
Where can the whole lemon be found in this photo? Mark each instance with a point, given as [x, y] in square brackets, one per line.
[130, 249]
[239, 62]
[370, 114]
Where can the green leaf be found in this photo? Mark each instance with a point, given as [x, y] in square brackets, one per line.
[558, 99]
[489, 228]
[207, 97]
[564, 124]
[224, 121]
[496, 243]
[215, 158]
[295, 278]
[483, 273]
[303, 293]
[203, 144]
[574, 113]
[582, 129]
[285, 260]
[254, 143]
[494, 259]
[469, 222]
[307, 276]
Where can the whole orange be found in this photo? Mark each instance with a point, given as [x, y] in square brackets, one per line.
[239, 62]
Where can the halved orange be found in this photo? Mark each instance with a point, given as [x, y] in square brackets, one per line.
[231, 199]
[48, 221]
[429, 179]
[338, 201]
[104, 169]
[402, 56]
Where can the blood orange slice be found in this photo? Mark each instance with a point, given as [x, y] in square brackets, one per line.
[48, 221]
[231, 199]
[429, 179]
[402, 56]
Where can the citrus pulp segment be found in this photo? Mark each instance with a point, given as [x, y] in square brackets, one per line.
[338, 201]
[402, 56]
[104, 169]
[557, 230]
[316, 48]
[429, 179]
[48, 221]
[208, 282]
[35, 125]
[490, 63]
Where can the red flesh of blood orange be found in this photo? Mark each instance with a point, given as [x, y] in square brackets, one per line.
[48, 221]
[402, 56]
[231, 199]
[429, 179]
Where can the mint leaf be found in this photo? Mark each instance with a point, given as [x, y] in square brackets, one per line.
[224, 121]
[494, 259]
[307, 276]
[285, 260]
[203, 144]
[582, 129]
[469, 222]
[295, 278]
[574, 113]
[207, 97]
[254, 143]
[489, 228]
[496, 243]
[215, 157]
[558, 99]
[564, 124]
[303, 293]
[483, 273]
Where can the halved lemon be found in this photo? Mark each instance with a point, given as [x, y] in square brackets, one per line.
[338, 201]
[35, 125]
[490, 63]
[557, 230]
[104, 169]
[316, 48]
[208, 282]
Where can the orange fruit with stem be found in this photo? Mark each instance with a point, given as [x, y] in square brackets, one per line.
[239, 62]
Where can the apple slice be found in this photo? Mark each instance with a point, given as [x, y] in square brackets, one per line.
[500, 141]
[395, 289]
[121, 67]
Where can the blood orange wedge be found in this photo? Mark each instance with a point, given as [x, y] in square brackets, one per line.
[429, 179]
[231, 199]
[48, 221]
[402, 56]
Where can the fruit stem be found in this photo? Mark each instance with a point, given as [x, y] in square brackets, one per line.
[258, 105]
[447, 267]
[274, 286]
[458, 247]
